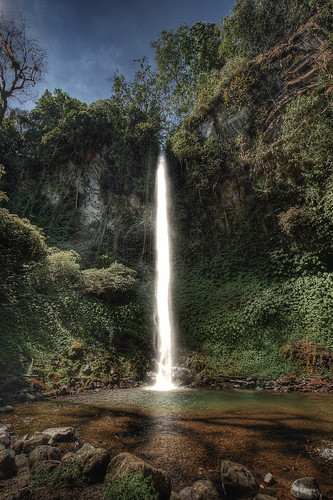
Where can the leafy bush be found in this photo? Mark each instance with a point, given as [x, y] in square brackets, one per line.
[129, 486]
[64, 475]
[115, 281]
[59, 270]
[240, 318]
[20, 241]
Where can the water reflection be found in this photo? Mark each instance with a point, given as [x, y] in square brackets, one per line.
[188, 432]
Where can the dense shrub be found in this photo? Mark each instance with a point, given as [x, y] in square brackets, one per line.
[112, 282]
[20, 241]
[129, 486]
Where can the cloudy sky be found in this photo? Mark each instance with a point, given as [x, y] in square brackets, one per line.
[87, 41]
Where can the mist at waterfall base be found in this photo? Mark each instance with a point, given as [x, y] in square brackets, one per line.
[163, 277]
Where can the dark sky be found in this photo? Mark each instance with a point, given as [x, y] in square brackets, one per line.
[88, 40]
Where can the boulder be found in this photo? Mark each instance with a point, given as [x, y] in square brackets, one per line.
[264, 497]
[200, 490]
[7, 464]
[186, 493]
[182, 376]
[306, 488]
[22, 461]
[93, 462]
[29, 444]
[204, 490]
[44, 452]
[175, 496]
[268, 479]
[6, 409]
[126, 462]
[5, 427]
[59, 434]
[237, 480]
[4, 439]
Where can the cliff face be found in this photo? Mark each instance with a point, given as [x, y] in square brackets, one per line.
[86, 206]
[244, 116]
[254, 203]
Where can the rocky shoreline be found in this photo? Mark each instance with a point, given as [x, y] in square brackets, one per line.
[54, 464]
[34, 390]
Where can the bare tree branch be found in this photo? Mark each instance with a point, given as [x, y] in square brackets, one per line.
[22, 61]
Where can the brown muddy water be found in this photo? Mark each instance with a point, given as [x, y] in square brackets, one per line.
[188, 432]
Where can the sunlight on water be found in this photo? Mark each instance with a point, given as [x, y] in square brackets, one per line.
[163, 307]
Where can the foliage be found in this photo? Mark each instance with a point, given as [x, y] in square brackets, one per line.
[112, 282]
[127, 486]
[59, 270]
[182, 56]
[308, 356]
[256, 26]
[67, 474]
[240, 315]
[20, 241]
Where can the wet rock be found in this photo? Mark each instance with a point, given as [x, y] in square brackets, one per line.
[29, 444]
[186, 493]
[44, 452]
[59, 434]
[175, 496]
[5, 427]
[22, 461]
[306, 488]
[204, 490]
[22, 494]
[237, 480]
[326, 453]
[6, 409]
[264, 497]
[7, 464]
[87, 370]
[126, 462]
[268, 479]
[4, 439]
[182, 376]
[76, 351]
[92, 461]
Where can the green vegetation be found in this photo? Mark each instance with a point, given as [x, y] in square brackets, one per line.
[246, 109]
[126, 486]
[63, 475]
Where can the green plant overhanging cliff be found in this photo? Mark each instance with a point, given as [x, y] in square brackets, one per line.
[253, 178]
[85, 173]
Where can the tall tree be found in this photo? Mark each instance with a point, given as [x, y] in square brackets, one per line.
[182, 56]
[22, 61]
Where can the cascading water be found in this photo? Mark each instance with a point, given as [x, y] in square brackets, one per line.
[163, 268]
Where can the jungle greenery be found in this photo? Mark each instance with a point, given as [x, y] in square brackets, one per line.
[252, 214]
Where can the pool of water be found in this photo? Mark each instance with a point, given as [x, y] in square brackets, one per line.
[188, 432]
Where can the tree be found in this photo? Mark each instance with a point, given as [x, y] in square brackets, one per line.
[22, 61]
[182, 56]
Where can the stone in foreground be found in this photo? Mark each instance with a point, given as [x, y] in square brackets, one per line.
[7, 464]
[237, 480]
[44, 452]
[92, 461]
[306, 488]
[59, 434]
[126, 462]
[264, 497]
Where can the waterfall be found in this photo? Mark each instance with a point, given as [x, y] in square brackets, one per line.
[163, 273]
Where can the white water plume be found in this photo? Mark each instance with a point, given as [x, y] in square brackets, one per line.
[163, 273]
